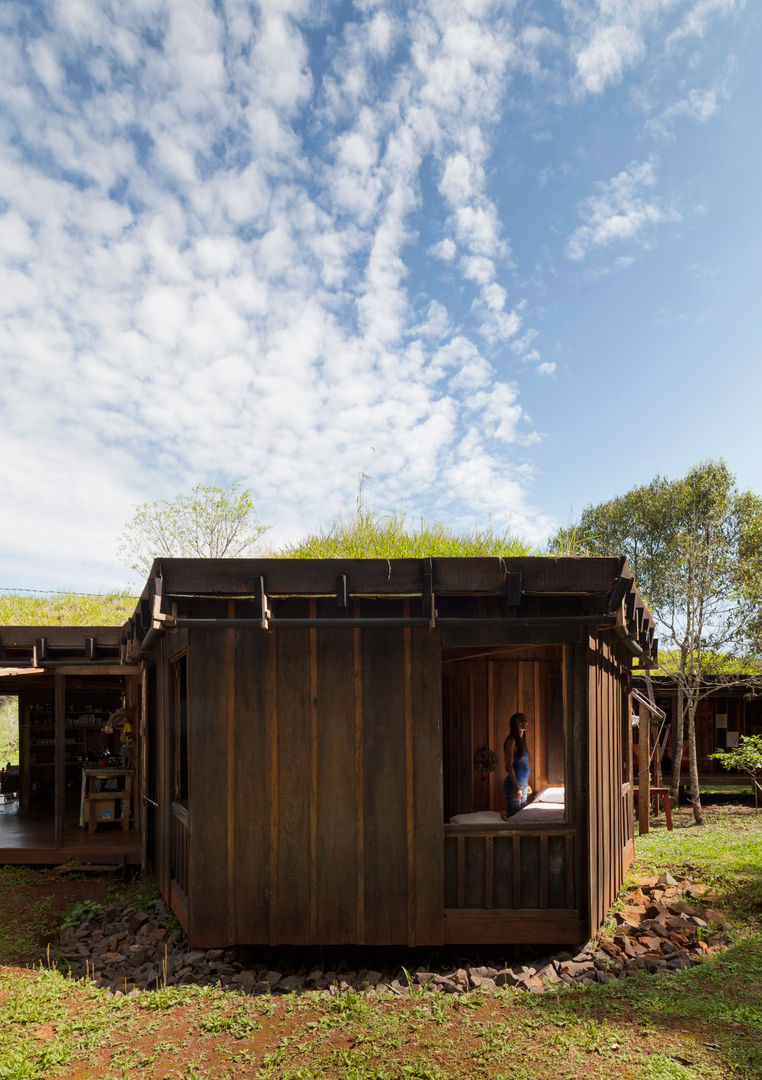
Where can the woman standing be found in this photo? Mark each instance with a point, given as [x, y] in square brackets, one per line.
[516, 755]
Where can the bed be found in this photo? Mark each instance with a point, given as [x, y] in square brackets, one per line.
[547, 808]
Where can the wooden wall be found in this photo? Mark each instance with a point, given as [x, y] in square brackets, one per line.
[315, 785]
[609, 790]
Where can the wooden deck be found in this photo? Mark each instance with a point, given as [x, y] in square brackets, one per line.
[26, 838]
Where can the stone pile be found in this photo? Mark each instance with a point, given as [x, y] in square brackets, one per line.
[655, 930]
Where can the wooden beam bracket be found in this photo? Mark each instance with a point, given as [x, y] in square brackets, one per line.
[511, 594]
[342, 593]
[264, 612]
[619, 591]
[39, 652]
[429, 598]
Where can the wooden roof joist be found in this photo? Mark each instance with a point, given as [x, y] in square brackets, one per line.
[603, 588]
[27, 647]
[238, 578]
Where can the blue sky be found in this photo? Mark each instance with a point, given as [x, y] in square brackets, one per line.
[503, 258]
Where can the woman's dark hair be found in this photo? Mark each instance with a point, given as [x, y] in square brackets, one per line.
[515, 734]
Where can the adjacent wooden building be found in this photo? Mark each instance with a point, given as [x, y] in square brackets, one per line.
[729, 710]
[309, 729]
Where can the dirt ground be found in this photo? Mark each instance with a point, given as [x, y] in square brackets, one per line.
[33, 904]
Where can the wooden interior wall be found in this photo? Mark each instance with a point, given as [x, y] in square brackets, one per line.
[610, 821]
[479, 698]
[315, 785]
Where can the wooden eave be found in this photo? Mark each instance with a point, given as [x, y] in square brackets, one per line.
[605, 586]
[27, 648]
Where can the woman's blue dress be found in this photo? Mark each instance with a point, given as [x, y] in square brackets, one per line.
[521, 768]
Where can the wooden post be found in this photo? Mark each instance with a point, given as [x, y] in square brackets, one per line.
[644, 777]
[60, 756]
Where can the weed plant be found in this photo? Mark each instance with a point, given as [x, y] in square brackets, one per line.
[66, 609]
[374, 536]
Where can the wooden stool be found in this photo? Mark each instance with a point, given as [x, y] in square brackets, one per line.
[664, 792]
[121, 799]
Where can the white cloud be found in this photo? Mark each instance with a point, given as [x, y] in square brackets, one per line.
[546, 368]
[698, 105]
[697, 19]
[618, 211]
[605, 58]
[444, 250]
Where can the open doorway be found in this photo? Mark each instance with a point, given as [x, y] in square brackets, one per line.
[9, 749]
[482, 688]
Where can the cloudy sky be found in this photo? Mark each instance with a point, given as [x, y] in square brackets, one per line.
[502, 257]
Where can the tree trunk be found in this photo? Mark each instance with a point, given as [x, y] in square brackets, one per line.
[677, 745]
[698, 815]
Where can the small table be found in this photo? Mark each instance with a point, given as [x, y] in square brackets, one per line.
[91, 798]
[664, 792]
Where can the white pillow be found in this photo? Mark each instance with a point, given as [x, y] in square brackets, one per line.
[482, 817]
[553, 795]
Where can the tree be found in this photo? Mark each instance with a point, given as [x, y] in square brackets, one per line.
[694, 546]
[209, 523]
[746, 756]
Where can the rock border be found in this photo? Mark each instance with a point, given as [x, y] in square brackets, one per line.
[656, 930]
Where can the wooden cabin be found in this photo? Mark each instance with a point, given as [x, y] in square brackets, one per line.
[728, 711]
[320, 744]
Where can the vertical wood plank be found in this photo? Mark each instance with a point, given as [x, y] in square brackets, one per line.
[540, 671]
[207, 697]
[489, 871]
[579, 745]
[313, 799]
[336, 841]
[270, 709]
[544, 871]
[427, 783]
[517, 897]
[294, 782]
[359, 817]
[571, 900]
[231, 789]
[141, 807]
[492, 804]
[59, 720]
[409, 782]
[461, 871]
[384, 785]
[479, 733]
[254, 764]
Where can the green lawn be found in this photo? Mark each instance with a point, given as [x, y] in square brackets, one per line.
[697, 1024]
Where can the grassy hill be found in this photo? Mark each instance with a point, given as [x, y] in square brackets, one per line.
[66, 609]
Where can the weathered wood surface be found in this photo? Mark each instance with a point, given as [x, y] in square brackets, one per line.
[317, 794]
[328, 825]
[503, 869]
[74, 637]
[609, 819]
[514, 927]
[395, 577]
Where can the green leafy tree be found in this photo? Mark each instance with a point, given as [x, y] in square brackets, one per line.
[747, 756]
[695, 547]
[208, 523]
